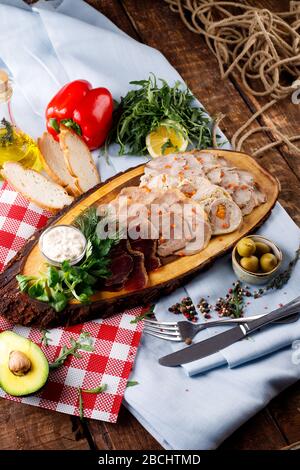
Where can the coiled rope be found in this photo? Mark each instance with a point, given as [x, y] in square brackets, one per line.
[258, 46]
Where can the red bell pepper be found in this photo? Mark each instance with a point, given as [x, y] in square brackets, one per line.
[86, 110]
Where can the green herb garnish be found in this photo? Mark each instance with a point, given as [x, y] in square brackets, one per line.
[61, 284]
[148, 314]
[99, 389]
[131, 383]
[45, 340]
[84, 343]
[142, 110]
[279, 281]
[7, 133]
[70, 124]
[80, 404]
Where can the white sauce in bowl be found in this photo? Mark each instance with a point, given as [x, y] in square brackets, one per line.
[63, 242]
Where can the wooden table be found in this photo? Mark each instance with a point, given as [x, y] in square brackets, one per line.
[278, 425]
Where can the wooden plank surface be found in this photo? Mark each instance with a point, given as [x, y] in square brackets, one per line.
[277, 426]
[24, 427]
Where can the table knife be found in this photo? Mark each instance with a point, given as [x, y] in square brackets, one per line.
[222, 340]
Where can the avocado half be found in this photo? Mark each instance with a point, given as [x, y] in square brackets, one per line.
[24, 368]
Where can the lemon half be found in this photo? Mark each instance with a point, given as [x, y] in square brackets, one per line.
[168, 138]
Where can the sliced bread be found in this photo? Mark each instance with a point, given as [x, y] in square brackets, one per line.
[36, 187]
[55, 165]
[78, 159]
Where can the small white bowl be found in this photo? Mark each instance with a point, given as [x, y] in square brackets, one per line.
[58, 263]
[256, 278]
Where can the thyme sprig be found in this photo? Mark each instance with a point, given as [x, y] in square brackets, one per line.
[281, 279]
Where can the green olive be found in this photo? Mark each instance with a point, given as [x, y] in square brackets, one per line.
[250, 263]
[262, 248]
[246, 247]
[268, 262]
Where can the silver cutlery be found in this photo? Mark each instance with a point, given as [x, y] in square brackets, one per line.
[223, 340]
[184, 330]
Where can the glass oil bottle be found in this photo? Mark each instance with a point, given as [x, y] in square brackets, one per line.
[15, 145]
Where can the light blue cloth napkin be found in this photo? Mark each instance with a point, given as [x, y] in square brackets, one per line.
[65, 40]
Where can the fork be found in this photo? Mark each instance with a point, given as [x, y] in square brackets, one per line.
[184, 330]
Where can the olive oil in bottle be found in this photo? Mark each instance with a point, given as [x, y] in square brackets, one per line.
[15, 145]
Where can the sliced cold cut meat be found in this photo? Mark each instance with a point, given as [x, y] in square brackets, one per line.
[242, 195]
[230, 179]
[148, 248]
[224, 215]
[198, 243]
[210, 191]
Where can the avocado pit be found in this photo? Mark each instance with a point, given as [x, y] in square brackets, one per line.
[19, 364]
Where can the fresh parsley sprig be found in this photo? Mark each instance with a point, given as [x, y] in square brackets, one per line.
[143, 109]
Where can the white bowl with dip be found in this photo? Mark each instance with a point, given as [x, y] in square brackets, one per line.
[62, 243]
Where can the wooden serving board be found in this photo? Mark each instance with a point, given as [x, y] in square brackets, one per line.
[21, 309]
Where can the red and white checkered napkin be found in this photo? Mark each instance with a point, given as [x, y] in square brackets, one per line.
[115, 339]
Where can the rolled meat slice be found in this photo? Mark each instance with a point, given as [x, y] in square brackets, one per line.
[230, 179]
[224, 215]
[245, 177]
[242, 195]
[208, 191]
[198, 243]
[215, 175]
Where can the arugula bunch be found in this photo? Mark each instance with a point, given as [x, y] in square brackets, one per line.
[61, 284]
[142, 110]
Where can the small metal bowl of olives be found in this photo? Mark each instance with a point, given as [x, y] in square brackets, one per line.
[256, 259]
